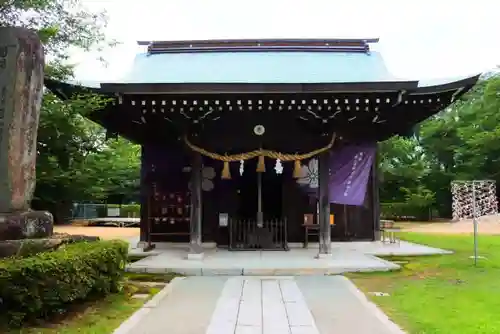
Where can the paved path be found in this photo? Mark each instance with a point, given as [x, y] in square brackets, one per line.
[264, 305]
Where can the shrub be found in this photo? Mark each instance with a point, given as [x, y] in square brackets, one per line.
[47, 283]
[126, 210]
[130, 210]
[404, 211]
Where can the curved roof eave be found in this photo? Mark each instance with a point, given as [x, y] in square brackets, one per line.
[443, 84]
[62, 89]
[236, 88]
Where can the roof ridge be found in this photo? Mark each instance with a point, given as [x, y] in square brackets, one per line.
[260, 45]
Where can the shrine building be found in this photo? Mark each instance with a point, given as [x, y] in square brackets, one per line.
[246, 143]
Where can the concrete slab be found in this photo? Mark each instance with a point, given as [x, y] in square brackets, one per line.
[346, 257]
[187, 309]
[339, 307]
[378, 248]
[257, 263]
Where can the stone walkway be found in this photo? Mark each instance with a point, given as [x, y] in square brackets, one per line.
[263, 305]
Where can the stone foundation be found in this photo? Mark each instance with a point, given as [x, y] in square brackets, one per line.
[27, 225]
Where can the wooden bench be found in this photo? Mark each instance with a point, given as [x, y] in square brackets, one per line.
[310, 229]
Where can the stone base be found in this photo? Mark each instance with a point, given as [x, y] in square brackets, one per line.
[196, 252]
[183, 245]
[28, 247]
[195, 256]
[146, 246]
[142, 244]
[26, 225]
[324, 256]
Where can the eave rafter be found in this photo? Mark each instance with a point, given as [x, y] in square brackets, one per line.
[322, 108]
[375, 114]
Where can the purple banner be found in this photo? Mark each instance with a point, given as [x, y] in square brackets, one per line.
[350, 168]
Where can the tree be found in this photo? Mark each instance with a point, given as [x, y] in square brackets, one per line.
[461, 142]
[61, 24]
[75, 161]
[403, 164]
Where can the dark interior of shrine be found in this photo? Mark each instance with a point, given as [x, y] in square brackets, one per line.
[167, 200]
[272, 192]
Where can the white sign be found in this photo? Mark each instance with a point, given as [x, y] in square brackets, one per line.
[113, 212]
[223, 219]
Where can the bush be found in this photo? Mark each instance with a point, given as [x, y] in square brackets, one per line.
[47, 283]
[130, 210]
[126, 210]
[404, 211]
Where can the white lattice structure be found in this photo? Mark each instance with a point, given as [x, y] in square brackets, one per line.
[478, 193]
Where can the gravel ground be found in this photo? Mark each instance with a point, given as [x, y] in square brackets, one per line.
[487, 225]
[105, 233]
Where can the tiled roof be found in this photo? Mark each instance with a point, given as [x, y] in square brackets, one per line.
[274, 67]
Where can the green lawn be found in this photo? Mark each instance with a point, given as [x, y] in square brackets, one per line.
[94, 317]
[442, 294]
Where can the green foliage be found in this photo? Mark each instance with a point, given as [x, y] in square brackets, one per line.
[47, 283]
[404, 211]
[420, 196]
[131, 210]
[126, 210]
[75, 161]
[61, 24]
[462, 142]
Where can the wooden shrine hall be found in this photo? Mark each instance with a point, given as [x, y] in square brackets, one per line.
[248, 144]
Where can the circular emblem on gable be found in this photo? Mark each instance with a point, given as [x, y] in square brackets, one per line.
[259, 130]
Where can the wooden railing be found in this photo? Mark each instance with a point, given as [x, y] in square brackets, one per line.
[250, 235]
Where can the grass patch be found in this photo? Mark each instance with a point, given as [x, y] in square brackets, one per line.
[135, 258]
[441, 294]
[147, 277]
[101, 316]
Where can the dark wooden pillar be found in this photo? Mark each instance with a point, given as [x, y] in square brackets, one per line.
[376, 197]
[145, 190]
[325, 244]
[196, 205]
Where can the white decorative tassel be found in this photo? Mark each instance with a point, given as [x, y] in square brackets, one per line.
[278, 167]
[242, 168]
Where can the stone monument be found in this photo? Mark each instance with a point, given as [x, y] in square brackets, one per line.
[21, 89]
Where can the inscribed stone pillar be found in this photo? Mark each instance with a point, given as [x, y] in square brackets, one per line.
[325, 244]
[21, 88]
